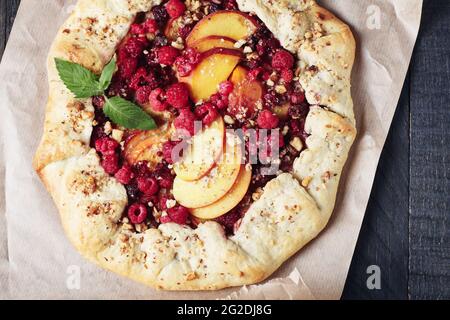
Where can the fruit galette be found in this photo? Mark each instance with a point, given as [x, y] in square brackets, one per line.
[196, 144]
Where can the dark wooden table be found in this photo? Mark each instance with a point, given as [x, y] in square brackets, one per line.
[406, 228]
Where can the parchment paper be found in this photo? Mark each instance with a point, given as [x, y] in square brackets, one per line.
[36, 259]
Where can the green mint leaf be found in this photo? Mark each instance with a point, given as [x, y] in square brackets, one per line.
[127, 114]
[107, 74]
[80, 81]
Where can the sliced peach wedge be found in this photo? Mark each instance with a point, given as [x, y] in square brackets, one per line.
[215, 67]
[213, 186]
[212, 42]
[146, 145]
[229, 201]
[246, 97]
[203, 152]
[232, 24]
[239, 74]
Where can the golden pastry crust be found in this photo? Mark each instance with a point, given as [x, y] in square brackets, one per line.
[293, 208]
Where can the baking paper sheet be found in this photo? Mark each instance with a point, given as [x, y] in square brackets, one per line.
[36, 259]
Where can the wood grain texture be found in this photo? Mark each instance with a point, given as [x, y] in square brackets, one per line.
[8, 9]
[383, 240]
[405, 230]
[429, 203]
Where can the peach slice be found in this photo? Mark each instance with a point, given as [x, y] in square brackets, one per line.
[203, 152]
[246, 98]
[212, 42]
[213, 186]
[215, 67]
[239, 74]
[229, 201]
[232, 24]
[146, 145]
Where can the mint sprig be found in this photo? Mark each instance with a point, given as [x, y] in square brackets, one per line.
[84, 84]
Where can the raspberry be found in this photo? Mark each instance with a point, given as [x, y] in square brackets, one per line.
[165, 179]
[135, 46]
[177, 95]
[175, 8]
[167, 151]
[287, 75]
[110, 163]
[143, 94]
[282, 59]
[187, 61]
[137, 78]
[165, 219]
[207, 113]
[137, 29]
[166, 55]
[127, 67]
[255, 73]
[267, 120]
[297, 97]
[106, 146]
[185, 121]
[151, 26]
[225, 88]
[124, 175]
[178, 214]
[162, 204]
[137, 213]
[147, 185]
[156, 100]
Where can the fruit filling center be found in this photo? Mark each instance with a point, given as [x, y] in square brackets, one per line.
[229, 107]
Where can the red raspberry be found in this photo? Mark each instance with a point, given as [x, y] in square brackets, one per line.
[137, 213]
[135, 46]
[127, 67]
[166, 55]
[156, 100]
[255, 73]
[98, 102]
[175, 8]
[110, 163]
[165, 219]
[282, 59]
[137, 78]
[267, 120]
[297, 97]
[162, 204]
[151, 25]
[147, 185]
[143, 94]
[167, 151]
[187, 61]
[106, 146]
[207, 113]
[231, 5]
[137, 29]
[125, 175]
[287, 75]
[177, 95]
[185, 121]
[178, 214]
[165, 179]
[226, 87]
